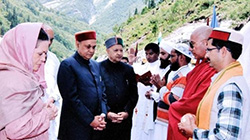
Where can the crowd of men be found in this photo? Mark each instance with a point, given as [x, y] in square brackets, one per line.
[166, 98]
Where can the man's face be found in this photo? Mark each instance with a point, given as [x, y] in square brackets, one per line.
[213, 55]
[151, 56]
[86, 48]
[164, 56]
[198, 46]
[51, 36]
[115, 53]
[174, 60]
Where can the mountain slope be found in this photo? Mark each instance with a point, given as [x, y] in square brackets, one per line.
[170, 15]
[18, 11]
[102, 14]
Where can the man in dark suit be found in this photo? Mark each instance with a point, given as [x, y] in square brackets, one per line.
[80, 85]
[121, 91]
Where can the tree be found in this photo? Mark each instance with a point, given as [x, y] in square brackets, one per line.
[151, 4]
[136, 11]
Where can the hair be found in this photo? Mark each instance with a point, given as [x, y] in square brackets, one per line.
[179, 53]
[126, 58]
[152, 46]
[234, 48]
[43, 35]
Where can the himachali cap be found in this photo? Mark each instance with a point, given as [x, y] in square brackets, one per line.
[184, 49]
[113, 41]
[85, 35]
[167, 46]
[227, 35]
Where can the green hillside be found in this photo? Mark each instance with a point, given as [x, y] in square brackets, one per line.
[171, 14]
[145, 25]
[13, 12]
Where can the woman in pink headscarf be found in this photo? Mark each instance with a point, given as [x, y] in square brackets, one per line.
[23, 115]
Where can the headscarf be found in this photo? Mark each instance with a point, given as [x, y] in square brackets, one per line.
[20, 87]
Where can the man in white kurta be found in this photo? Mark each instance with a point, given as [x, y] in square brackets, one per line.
[245, 56]
[52, 91]
[180, 58]
[143, 122]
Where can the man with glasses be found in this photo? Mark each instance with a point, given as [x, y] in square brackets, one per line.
[198, 81]
[224, 111]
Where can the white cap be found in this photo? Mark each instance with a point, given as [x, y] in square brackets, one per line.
[167, 46]
[184, 49]
[227, 35]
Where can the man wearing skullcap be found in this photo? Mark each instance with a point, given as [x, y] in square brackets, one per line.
[180, 57]
[223, 113]
[81, 87]
[198, 81]
[121, 90]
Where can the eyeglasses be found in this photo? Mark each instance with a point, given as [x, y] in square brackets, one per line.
[191, 43]
[210, 49]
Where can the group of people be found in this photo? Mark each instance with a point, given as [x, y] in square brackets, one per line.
[164, 98]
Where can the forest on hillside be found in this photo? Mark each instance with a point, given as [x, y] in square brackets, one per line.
[163, 16]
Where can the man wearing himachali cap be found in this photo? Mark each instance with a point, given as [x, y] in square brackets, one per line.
[80, 85]
[121, 90]
[223, 112]
[198, 81]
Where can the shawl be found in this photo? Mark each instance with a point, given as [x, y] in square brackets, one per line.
[205, 106]
[20, 87]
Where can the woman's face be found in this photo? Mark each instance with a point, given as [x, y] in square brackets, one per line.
[40, 54]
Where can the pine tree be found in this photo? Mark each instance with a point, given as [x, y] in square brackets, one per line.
[136, 11]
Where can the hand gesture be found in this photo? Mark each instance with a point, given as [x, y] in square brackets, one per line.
[187, 125]
[98, 123]
[156, 80]
[51, 109]
[148, 94]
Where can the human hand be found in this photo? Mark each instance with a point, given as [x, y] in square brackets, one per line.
[131, 56]
[148, 94]
[51, 109]
[123, 115]
[98, 123]
[156, 80]
[187, 125]
[113, 117]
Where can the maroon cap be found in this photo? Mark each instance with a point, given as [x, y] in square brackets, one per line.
[85, 35]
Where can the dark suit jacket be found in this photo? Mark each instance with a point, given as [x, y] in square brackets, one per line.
[81, 88]
[121, 90]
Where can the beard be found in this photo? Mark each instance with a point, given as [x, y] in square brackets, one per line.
[164, 63]
[175, 66]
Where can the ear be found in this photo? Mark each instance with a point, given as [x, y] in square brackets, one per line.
[224, 51]
[77, 44]
[182, 57]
